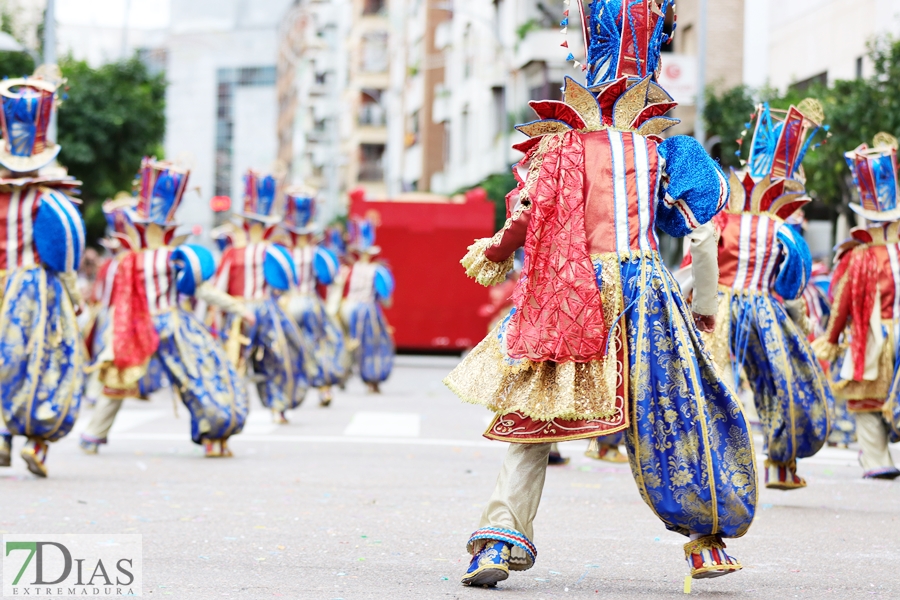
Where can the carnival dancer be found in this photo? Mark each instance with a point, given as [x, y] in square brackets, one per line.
[369, 286]
[865, 288]
[764, 267]
[146, 321]
[121, 238]
[601, 339]
[316, 266]
[252, 270]
[818, 311]
[41, 348]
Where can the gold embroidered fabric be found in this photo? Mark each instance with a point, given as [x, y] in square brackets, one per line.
[825, 350]
[482, 270]
[547, 390]
[540, 390]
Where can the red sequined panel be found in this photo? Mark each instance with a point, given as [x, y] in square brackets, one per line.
[134, 338]
[559, 315]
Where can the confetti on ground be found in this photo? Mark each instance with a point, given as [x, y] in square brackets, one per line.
[687, 584]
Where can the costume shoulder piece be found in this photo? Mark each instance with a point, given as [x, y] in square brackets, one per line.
[772, 180]
[622, 59]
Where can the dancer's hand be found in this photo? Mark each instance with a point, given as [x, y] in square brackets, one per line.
[705, 323]
[249, 318]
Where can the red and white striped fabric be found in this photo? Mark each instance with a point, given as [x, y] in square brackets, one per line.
[748, 251]
[627, 169]
[304, 258]
[241, 272]
[17, 213]
[156, 271]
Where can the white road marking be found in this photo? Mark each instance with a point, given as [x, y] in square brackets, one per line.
[259, 422]
[384, 424]
[126, 420]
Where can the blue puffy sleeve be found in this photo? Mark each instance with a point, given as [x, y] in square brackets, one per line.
[58, 232]
[796, 266]
[326, 265]
[694, 187]
[384, 283]
[278, 267]
[193, 265]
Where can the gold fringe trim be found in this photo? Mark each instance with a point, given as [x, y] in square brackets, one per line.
[547, 390]
[825, 350]
[482, 270]
[707, 542]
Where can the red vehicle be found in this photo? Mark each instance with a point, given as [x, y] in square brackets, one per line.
[422, 239]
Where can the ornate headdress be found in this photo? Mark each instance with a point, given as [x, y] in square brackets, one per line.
[260, 192]
[622, 49]
[361, 233]
[119, 213]
[875, 176]
[27, 105]
[772, 180]
[300, 209]
[160, 191]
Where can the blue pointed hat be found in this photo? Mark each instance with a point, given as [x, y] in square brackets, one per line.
[260, 193]
[300, 209]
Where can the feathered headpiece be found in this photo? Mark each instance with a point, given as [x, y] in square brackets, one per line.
[773, 180]
[362, 236]
[623, 38]
[875, 176]
[259, 197]
[622, 49]
[300, 209]
[119, 213]
[27, 106]
[160, 191]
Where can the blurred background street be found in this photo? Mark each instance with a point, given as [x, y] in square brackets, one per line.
[375, 497]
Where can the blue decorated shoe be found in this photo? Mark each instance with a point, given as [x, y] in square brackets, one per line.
[489, 566]
[89, 444]
[522, 552]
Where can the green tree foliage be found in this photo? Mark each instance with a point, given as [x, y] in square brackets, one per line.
[15, 64]
[855, 111]
[112, 117]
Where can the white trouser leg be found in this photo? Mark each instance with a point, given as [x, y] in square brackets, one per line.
[872, 435]
[103, 417]
[517, 495]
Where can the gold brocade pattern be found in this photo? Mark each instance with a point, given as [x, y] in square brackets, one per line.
[41, 356]
[546, 390]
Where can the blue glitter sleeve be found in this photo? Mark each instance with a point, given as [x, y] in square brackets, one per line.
[694, 189]
[796, 265]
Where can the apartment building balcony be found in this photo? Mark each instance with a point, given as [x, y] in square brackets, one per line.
[540, 45]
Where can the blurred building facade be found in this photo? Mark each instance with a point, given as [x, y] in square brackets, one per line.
[797, 42]
[464, 74]
[364, 122]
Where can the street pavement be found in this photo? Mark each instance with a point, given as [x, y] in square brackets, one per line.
[375, 496]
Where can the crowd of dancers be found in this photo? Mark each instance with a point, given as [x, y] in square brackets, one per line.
[286, 306]
[601, 341]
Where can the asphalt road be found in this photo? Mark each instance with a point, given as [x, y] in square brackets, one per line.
[375, 496]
